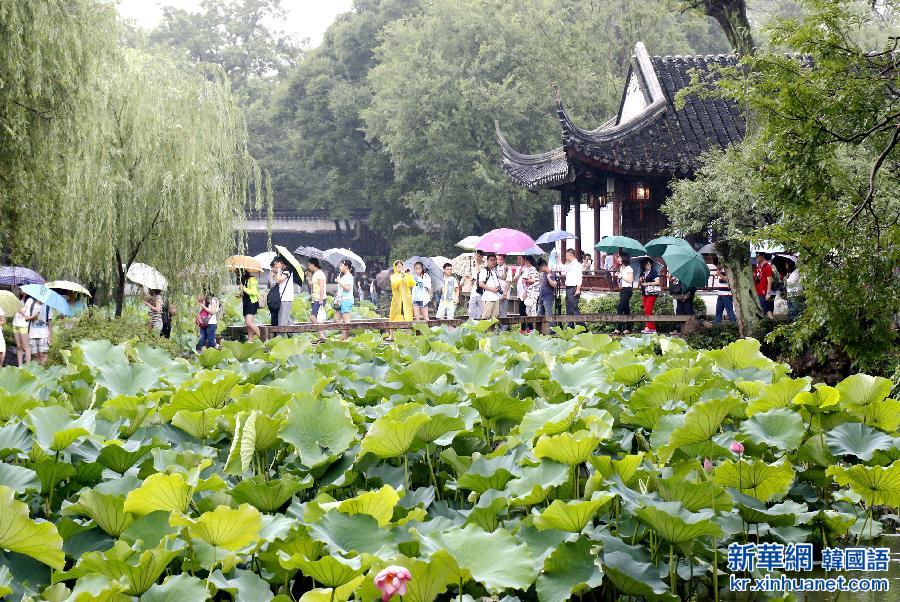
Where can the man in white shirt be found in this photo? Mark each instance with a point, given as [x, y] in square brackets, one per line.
[475, 300]
[626, 283]
[489, 282]
[573, 278]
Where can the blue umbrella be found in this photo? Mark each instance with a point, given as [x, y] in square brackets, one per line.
[48, 297]
[17, 276]
[554, 236]
[535, 250]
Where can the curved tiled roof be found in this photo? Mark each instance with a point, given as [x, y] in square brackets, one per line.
[657, 139]
[534, 171]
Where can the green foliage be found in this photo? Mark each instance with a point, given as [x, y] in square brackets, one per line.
[93, 325]
[607, 304]
[532, 461]
[816, 172]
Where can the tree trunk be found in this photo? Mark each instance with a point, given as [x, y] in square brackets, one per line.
[731, 15]
[120, 285]
[736, 257]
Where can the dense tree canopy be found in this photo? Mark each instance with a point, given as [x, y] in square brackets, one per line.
[818, 174]
[116, 155]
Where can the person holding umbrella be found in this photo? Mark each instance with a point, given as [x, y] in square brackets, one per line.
[421, 293]
[153, 302]
[249, 286]
[626, 289]
[650, 290]
[20, 332]
[283, 278]
[37, 319]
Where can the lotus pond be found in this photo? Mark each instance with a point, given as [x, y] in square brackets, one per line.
[511, 466]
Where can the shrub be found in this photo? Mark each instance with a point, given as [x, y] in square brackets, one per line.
[713, 336]
[66, 333]
[607, 303]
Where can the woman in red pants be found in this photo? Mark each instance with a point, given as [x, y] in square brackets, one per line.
[650, 289]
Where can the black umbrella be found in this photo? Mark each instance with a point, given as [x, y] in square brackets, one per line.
[309, 253]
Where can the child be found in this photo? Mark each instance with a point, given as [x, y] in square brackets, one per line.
[449, 295]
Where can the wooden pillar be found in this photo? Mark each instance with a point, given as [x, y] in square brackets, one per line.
[578, 225]
[564, 212]
[618, 197]
[596, 214]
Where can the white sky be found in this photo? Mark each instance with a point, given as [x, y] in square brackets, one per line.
[306, 18]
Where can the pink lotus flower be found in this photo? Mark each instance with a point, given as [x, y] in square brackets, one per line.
[707, 465]
[737, 448]
[392, 580]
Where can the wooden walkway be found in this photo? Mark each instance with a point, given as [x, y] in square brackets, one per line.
[542, 324]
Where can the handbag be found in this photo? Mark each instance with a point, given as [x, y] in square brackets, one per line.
[321, 316]
[652, 289]
[203, 318]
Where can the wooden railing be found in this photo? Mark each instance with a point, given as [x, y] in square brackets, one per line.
[541, 323]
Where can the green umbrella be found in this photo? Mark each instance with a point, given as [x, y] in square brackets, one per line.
[687, 265]
[612, 244]
[658, 246]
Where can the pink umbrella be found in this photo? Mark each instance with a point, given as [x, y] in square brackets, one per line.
[505, 241]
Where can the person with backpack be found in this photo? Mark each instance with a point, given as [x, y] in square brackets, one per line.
[207, 320]
[281, 296]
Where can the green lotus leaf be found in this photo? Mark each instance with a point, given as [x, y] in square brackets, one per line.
[268, 400]
[429, 578]
[779, 394]
[757, 478]
[318, 428]
[119, 457]
[128, 379]
[90, 588]
[51, 473]
[177, 588]
[781, 428]
[625, 468]
[167, 492]
[21, 534]
[475, 371]
[244, 586]
[488, 473]
[494, 559]
[822, 397]
[15, 405]
[548, 419]
[677, 525]
[487, 512]
[253, 433]
[98, 354]
[18, 478]
[883, 415]
[201, 424]
[268, 495]
[568, 448]
[579, 377]
[330, 571]
[694, 496]
[536, 482]
[137, 571]
[390, 437]
[496, 405]
[632, 577]
[55, 429]
[420, 372]
[571, 569]
[701, 422]
[377, 504]
[15, 438]
[210, 390]
[174, 371]
[224, 527]
[135, 410]
[855, 439]
[739, 355]
[107, 510]
[876, 485]
[346, 533]
[446, 421]
[862, 389]
[785, 514]
[630, 375]
[571, 516]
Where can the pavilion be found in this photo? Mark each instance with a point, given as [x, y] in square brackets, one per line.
[626, 164]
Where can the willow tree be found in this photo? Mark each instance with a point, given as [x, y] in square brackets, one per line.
[166, 177]
[51, 51]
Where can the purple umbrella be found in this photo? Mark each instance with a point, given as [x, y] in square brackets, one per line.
[505, 241]
[17, 276]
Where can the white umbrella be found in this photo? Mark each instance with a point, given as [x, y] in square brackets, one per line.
[145, 275]
[462, 264]
[265, 259]
[334, 257]
[468, 243]
[65, 285]
[440, 260]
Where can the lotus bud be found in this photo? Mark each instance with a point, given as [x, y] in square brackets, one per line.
[737, 448]
[392, 580]
[707, 465]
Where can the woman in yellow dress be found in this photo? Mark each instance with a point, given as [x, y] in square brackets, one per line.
[401, 294]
